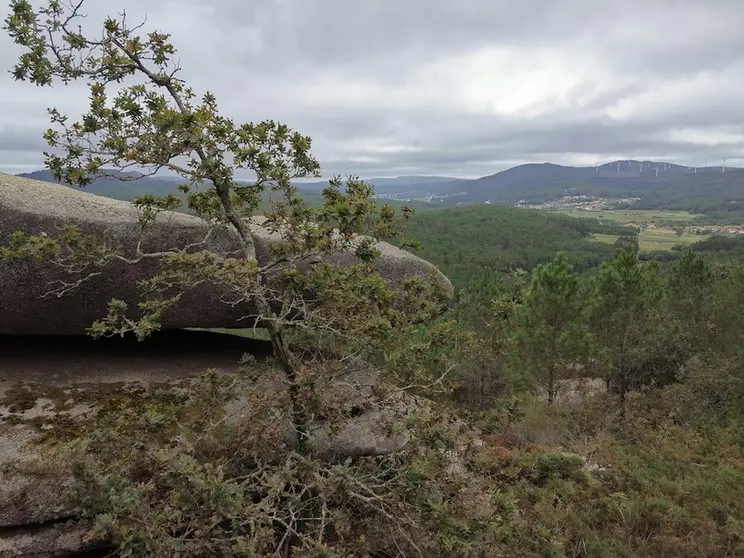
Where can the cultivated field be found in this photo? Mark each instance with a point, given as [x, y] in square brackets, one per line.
[633, 215]
[658, 239]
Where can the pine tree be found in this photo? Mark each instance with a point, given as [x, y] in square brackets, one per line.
[626, 317]
[553, 337]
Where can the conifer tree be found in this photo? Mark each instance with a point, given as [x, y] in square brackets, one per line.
[553, 338]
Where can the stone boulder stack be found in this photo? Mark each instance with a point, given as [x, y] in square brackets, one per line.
[29, 305]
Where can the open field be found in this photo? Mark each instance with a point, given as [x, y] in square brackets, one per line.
[650, 240]
[632, 215]
[658, 239]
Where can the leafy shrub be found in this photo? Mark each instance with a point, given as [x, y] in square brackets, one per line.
[559, 466]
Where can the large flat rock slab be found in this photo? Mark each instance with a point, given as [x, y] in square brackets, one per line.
[26, 288]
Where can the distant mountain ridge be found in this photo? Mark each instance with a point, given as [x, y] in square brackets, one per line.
[656, 185]
[127, 190]
[136, 184]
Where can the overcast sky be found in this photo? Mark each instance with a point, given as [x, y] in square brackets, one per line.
[449, 87]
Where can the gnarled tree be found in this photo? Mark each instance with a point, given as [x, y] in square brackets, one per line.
[157, 123]
[142, 117]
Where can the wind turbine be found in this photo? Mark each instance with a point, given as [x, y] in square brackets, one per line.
[723, 168]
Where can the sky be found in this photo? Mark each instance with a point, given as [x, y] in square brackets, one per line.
[443, 87]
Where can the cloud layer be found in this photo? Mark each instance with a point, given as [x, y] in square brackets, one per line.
[462, 88]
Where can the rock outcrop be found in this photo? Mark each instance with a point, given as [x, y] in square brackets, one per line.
[41, 207]
[54, 386]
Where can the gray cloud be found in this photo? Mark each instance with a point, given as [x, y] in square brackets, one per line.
[463, 87]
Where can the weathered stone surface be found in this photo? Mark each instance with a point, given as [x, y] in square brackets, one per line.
[71, 377]
[41, 207]
[46, 541]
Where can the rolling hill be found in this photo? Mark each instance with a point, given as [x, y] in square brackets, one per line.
[672, 187]
[387, 183]
[655, 185]
[127, 190]
[477, 240]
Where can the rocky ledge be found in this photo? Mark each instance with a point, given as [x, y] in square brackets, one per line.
[35, 207]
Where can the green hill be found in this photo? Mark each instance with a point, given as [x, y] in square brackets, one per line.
[704, 190]
[468, 242]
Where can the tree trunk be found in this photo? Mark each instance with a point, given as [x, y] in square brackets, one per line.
[242, 228]
[623, 387]
[291, 368]
[287, 360]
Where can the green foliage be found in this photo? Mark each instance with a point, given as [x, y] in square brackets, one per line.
[557, 466]
[72, 247]
[659, 483]
[553, 335]
[488, 314]
[164, 474]
[470, 242]
[626, 319]
[165, 471]
[732, 247]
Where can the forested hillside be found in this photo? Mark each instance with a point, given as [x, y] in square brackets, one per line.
[472, 241]
[658, 185]
[665, 443]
